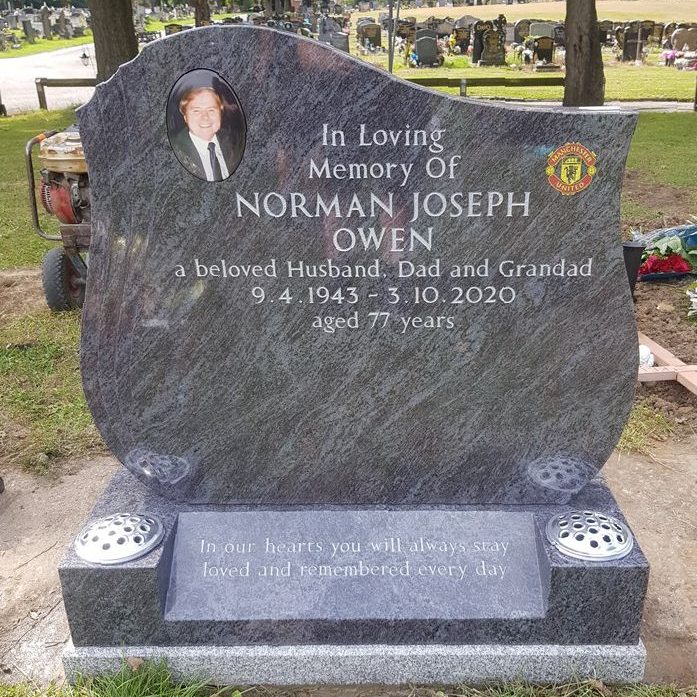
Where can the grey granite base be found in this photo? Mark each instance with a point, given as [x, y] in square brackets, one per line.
[376, 664]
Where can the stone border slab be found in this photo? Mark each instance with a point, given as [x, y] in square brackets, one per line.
[376, 664]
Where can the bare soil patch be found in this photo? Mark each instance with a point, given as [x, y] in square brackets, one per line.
[669, 205]
[658, 495]
[39, 516]
[21, 293]
[661, 314]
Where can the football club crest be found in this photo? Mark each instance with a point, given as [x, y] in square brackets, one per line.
[571, 168]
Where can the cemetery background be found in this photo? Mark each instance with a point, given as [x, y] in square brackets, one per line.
[38, 354]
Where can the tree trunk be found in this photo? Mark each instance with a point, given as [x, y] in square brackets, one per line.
[585, 80]
[202, 13]
[114, 36]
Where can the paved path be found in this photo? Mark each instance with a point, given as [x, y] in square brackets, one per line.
[17, 76]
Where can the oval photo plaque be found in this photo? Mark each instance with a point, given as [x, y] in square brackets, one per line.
[206, 125]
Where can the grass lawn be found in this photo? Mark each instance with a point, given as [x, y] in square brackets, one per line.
[39, 378]
[44, 45]
[623, 82]
[661, 149]
[41, 390]
[19, 244]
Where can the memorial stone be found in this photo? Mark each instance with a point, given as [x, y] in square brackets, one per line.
[479, 29]
[426, 47]
[521, 30]
[684, 39]
[544, 49]
[466, 21]
[542, 29]
[62, 23]
[605, 32]
[29, 32]
[357, 365]
[462, 38]
[494, 52]
[559, 35]
[657, 34]
[632, 44]
[340, 41]
[667, 33]
[45, 14]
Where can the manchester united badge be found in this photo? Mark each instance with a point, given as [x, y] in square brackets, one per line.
[570, 168]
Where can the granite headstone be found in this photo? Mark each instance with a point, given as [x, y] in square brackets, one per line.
[354, 355]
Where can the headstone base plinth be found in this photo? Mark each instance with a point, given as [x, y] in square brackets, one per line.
[332, 594]
[547, 68]
[372, 664]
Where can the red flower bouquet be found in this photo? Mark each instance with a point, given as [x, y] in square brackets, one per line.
[672, 263]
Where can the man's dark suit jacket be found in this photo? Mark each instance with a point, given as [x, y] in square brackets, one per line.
[187, 154]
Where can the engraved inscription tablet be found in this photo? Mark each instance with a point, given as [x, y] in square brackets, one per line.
[354, 565]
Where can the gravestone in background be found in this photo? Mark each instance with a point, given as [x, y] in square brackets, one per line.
[494, 52]
[684, 39]
[542, 29]
[479, 28]
[357, 373]
[544, 49]
[521, 30]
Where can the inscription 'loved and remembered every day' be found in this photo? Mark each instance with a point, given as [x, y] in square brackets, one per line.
[407, 301]
[416, 558]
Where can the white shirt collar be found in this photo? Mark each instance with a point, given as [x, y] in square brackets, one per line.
[202, 150]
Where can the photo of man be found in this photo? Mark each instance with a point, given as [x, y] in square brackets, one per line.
[207, 131]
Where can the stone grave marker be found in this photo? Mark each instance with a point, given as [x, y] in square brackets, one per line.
[559, 35]
[45, 14]
[466, 21]
[684, 39]
[544, 49]
[494, 51]
[542, 29]
[340, 41]
[668, 30]
[521, 30]
[362, 364]
[462, 38]
[478, 29]
[605, 32]
[62, 23]
[29, 31]
[426, 47]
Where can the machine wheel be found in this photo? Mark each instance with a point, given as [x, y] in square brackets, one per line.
[62, 284]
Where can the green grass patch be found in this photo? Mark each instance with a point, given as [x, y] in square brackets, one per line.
[19, 244]
[148, 679]
[663, 148]
[41, 390]
[623, 82]
[45, 45]
[645, 426]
